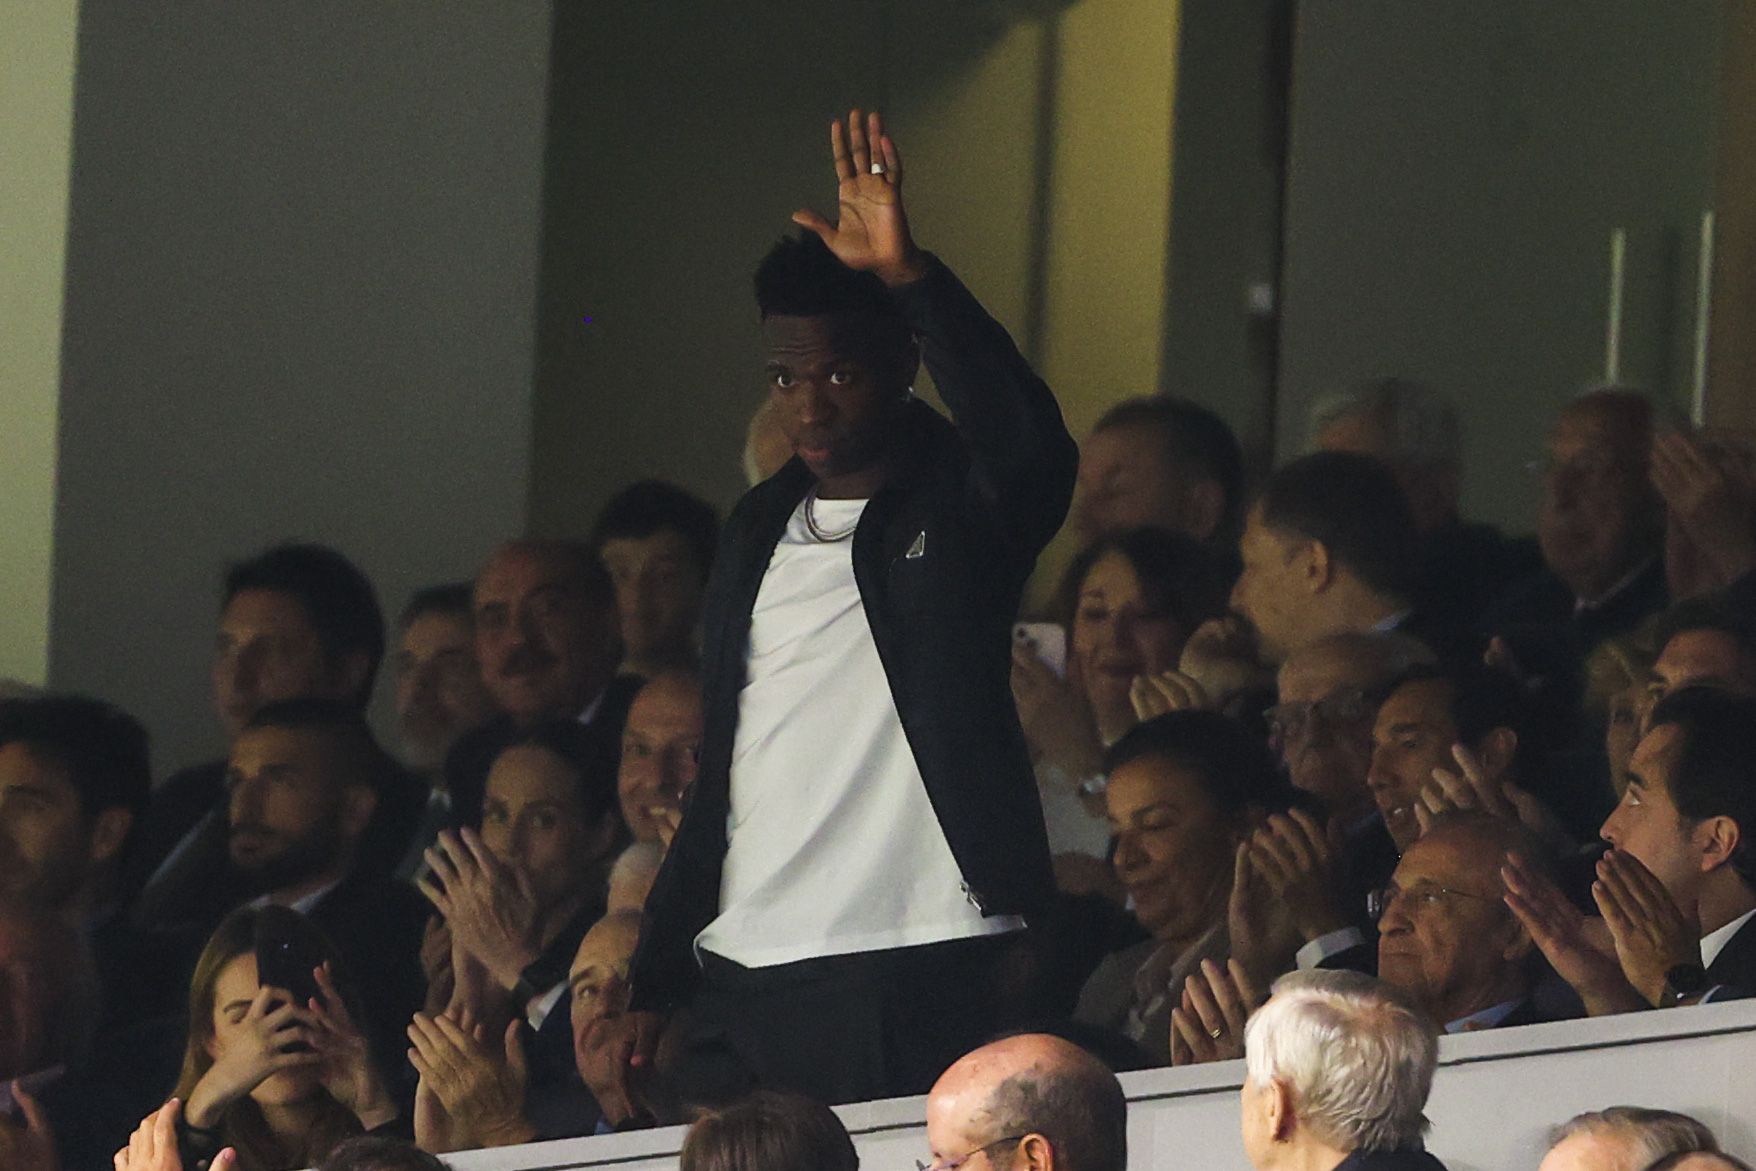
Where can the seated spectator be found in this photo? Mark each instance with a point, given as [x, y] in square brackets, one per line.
[1185, 791]
[74, 779]
[370, 1152]
[1131, 599]
[549, 640]
[1322, 728]
[661, 742]
[154, 1147]
[1337, 1072]
[769, 1131]
[304, 780]
[439, 690]
[658, 542]
[1159, 462]
[279, 1083]
[1450, 737]
[1601, 528]
[1702, 644]
[1618, 675]
[1415, 431]
[479, 1094]
[1326, 551]
[1624, 1138]
[295, 621]
[1446, 937]
[1678, 887]
[1028, 1101]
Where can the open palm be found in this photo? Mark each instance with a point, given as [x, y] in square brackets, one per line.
[872, 233]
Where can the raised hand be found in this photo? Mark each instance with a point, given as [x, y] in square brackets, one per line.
[1295, 856]
[1264, 938]
[1221, 657]
[1169, 691]
[1473, 787]
[1056, 715]
[153, 1146]
[871, 233]
[1710, 498]
[1652, 934]
[487, 905]
[480, 1090]
[1209, 1023]
[275, 1036]
[1560, 933]
[29, 1146]
[347, 1070]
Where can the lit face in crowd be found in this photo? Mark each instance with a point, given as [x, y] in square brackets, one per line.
[534, 820]
[1174, 849]
[1119, 634]
[835, 401]
[1412, 736]
[544, 647]
[439, 689]
[658, 594]
[269, 650]
[660, 744]
[294, 808]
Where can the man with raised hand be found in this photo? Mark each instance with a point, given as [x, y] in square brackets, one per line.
[864, 829]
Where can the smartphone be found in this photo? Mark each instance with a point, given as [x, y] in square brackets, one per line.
[1047, 640]
[285, 957]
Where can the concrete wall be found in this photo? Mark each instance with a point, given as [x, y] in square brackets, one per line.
[300, 303]
[1495, 1096]
[36, 126]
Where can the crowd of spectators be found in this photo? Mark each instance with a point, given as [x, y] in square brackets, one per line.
[1316, 734]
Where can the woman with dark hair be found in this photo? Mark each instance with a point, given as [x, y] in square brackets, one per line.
[1129, 602]
[279, 1082]
[1185, 791]
[516, 898]
[769, 1131]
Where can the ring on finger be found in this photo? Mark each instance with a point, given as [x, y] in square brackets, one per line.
[877, 168]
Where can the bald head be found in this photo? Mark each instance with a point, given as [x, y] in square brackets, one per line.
[1033, 1101]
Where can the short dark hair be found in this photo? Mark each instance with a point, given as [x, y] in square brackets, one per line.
[371, 1152]
[343, 724]
[1353, 506]
[1707, 614]
[1236, 769]
[337, 598]
[103, 750]
[454, 597]
[1179, 575]
[801, 277]
[1482, 698]
[1715, 773]
[583, 750]
[1079, 1107]
[578, 559]
[652, 506]
[770, 1130]
[1194, 437]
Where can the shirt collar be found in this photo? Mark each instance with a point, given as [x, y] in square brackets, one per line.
[1581, 606]
[1715, 941]
[304, 905]
[1485, 1019]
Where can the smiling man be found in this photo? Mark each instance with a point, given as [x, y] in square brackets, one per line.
[864, 828]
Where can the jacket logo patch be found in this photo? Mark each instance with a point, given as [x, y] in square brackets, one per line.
[919, 548]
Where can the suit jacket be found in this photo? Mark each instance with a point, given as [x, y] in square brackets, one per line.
[1406, 1159]
[1733, 970]
[941, 556]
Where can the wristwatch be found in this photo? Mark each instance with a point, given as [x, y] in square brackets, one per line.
[1683, 982]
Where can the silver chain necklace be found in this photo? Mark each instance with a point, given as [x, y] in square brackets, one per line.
[818, 532]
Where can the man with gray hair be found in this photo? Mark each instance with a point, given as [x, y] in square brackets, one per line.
[1624, 1138]
[1337, 1071]
[1030, 1102]
[1415, 431]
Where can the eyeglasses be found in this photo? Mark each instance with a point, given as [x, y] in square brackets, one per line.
[1291, 721]
[1422, 895]
[954, 1164]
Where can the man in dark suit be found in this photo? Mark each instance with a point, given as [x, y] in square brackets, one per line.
[1353, 1101]
[858, 719]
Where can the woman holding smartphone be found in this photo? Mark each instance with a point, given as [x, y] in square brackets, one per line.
[279, 1082]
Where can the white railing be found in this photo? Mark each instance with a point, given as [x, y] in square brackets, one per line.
[1496, 1095]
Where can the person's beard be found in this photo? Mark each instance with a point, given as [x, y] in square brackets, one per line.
[300, 858]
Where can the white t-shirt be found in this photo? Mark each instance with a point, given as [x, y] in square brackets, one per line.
[833, 843]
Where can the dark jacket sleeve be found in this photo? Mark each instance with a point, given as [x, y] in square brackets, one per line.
[1023, 461]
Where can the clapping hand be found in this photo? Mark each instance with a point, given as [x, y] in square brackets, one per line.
[1652, 934]
[1473, 787]
[1561, 933]
[153, 1146]
[872, 233]
[347, 1070]
[1209, 1023]
[1168, 691]
[481, 1090]
[1282, 894]
[487, 905]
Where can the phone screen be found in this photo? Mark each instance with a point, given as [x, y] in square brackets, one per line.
[1047, 640]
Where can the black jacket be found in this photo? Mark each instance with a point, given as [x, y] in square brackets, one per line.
[941, 557]
[1733, 971]
[1406, 1159]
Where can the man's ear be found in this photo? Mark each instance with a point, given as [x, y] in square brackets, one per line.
[1278, 1107]
[1204, 505]
[1496, 751]
[358, 804]
[109, 831]
[1519, 943]
[1033, 1153]
[1718, 838]
[1315, 565]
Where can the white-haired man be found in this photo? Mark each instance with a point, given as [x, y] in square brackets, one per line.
[1337, 1071]
[1624, 1138]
